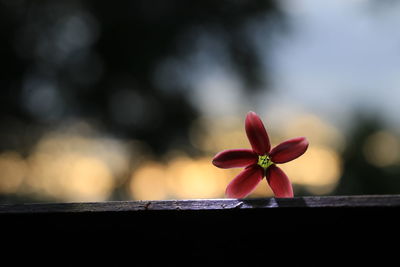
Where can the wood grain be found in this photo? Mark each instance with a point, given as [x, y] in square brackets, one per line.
[206, 204]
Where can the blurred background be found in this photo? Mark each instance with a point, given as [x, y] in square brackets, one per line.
[131, 100]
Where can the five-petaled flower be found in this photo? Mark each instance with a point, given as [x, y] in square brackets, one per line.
[260, 161]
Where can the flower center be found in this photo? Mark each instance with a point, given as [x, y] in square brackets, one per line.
[264, 161]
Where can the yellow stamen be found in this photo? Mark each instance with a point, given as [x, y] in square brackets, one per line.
[264, 161]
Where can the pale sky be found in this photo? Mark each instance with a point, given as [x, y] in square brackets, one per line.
[339, 55]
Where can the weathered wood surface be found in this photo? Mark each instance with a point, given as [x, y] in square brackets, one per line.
[206, 204]
[208, 231]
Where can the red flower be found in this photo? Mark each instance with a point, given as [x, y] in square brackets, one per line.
[260, 161]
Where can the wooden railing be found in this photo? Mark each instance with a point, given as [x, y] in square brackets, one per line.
[212, 227]
[173, 206]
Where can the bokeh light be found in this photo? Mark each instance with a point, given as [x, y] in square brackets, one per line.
[211, 135]
[13, 170]
[148, 182]
[70, 176]
[317, 131]
[70, 166]
[382, 149]
[319, 170]
[180, 178]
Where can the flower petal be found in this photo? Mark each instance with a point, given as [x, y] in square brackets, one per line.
[289, 150]
[257, 134]
[279, 182]
[245, 182]
[234, 158]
